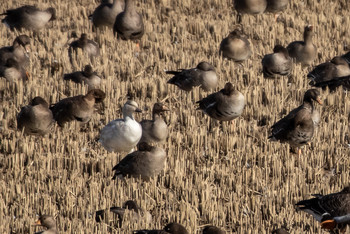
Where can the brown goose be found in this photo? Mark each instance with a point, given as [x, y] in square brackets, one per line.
[129, 24]
[105, 14]
[212, 230]
[138, 213]
[12, 71]
[250, 6]
[203, 75]
[147, 162]
[236, 46]
[48, 222]
[90, 47]
[18, 51]
[225, 105]
[297, 128]
[28, 17]
[325, 72]
[331, 210]
[277, 64]
[78, 108]
[155, 130]
[171, 228]
[280, 231]
[275, 6]
[88, 76]
[35, 118]
[305, 51]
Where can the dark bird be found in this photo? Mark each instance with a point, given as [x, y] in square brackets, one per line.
[331, 210]
[12, 71]
[250, 6]
[18, 51]
[303, 52]
[78, 108]
[277, 64]
[212, 230]
[89, 47]
[280, 231]
[225, 105]
[155, 130]
[87, 76]
[129, 24]
[35, 118]
[137, 213]
[171, 228]
[328, 73]
[28, 17]
[106, 13]
[297, 128]
[203, 75]
[48, 222]
[236, 46]
[147, 162]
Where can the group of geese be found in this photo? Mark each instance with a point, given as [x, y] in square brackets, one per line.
[122, 135]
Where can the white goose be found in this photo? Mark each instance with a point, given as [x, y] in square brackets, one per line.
[121, 135]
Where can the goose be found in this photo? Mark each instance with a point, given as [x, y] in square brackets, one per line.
[325, 72]
[212, 230]
[334, 83]
[277, 64]
[138, 213]
[78, 108]
[171, 228]
[129, 24]
[236, 46]
[122, 135]
[203, 75]
[89, 47]
[35, 118]
[331, 210]
[147, 162]
[155, 130]
[87, 76]
[250, 6]
[225, 105]
[28, 17]
[280, 231]
[297, 128]
[12, 71]
[48, 222]
[18, 51]
[275, 6]
[106, 13]
[303, 52]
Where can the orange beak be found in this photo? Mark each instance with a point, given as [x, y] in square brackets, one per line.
[27, 75]
[37, 223]
[319, 100]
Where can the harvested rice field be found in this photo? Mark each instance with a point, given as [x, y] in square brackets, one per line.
[224, 174]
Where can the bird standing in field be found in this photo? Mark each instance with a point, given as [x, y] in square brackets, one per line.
[171, 228]
[106, 13]
[18, 51]
[89, 47]
[35, 118]
[87, 76]
[122, 135]
[213, 230]
[203, 75]
[277, 64]
[28, 17]
[129, 24]
[331, 210]
[297, 128]
[155, 130]
[303, 52]
[78, 108]
[147, 162]
[236, 46]
[225, 105]
[250, 6]
[48, 222]
[12, 71]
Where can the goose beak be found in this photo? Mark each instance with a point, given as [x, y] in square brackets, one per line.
[27, 75]
[138, 110]
[165, 108]
[26, 47]
[37, 223]
[319, 100]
